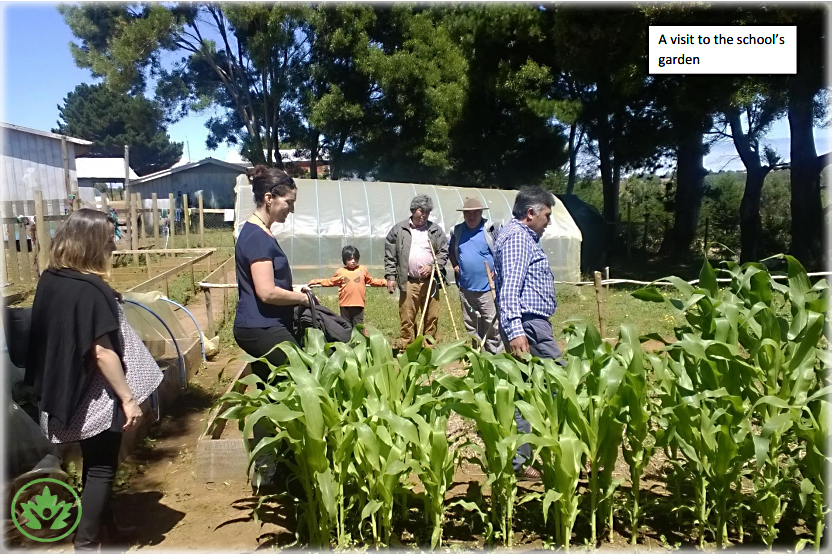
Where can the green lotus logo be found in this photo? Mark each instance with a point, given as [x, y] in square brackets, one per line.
[45, 512]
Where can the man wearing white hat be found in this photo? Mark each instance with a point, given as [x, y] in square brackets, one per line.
[471, 248]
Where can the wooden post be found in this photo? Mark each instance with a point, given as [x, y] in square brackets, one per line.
[12, 259]
[224, 297]
[599, 301]
[186, 215]
[134, 235]
[629, 228]
[42, 233]
[193, 279]
[646, 227]
[171, 219]
[705, 242]
[209, 312]
[65, 158]
[607, 273]
[156, 221]
[128, 213]
[22, 233]
[201, 224]
[140, 224]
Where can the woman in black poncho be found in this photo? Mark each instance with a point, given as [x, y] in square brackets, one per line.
[75, 363]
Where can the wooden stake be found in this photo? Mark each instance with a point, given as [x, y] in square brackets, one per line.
[707, 230]
[442, 283]
[42, 233]
[607, 273]
[65, 158]
[209, 312]
[186, 215]
[171, 219]
[155, 203]
[599, 300]
[134, 234]
[420, 328]
[201, 223]
[128, 213]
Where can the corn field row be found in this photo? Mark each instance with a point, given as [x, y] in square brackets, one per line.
[738, 403]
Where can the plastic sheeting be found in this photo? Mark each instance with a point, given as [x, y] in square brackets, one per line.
[331, 214]
[154, 335]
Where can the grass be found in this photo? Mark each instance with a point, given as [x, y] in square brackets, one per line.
[382, 311]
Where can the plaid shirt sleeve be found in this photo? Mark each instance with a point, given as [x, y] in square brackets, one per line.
[514, 260]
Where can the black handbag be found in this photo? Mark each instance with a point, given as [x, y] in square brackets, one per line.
[334, 327]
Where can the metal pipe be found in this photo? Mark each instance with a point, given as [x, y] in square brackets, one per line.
[198, 330]
[182, 373]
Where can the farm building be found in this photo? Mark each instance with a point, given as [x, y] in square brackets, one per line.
[35, 159]
[213, 178]
[331, 214]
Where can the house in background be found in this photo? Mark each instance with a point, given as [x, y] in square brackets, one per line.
[296, 162]
[214, 179]
[42, 160]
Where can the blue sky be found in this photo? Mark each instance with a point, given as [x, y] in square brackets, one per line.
[39, 72]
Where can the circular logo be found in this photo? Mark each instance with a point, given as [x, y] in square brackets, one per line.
[45, 511]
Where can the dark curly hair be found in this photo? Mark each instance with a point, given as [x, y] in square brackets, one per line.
[265, 179]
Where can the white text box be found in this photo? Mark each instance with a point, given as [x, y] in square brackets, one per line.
[717, 49]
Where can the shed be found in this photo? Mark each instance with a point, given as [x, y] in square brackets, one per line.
[213, 178]
[331, 214]
[35, 159]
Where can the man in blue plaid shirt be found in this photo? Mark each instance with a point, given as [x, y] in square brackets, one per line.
[526, 292]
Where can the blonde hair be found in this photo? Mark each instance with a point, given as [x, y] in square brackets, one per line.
[81, 243]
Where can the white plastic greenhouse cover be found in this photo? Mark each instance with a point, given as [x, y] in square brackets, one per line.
[331, 214]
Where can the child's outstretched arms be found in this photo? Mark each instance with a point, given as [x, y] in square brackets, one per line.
[335, 281]
[373, 282]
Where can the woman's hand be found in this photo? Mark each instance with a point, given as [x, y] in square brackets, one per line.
[133, 412]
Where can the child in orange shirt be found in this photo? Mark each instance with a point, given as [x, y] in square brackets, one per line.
[351, 281]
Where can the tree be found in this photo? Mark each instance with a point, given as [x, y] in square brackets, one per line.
[239, 57]
[807, 104]
[759, 106]
[110, 120]
[509, 133]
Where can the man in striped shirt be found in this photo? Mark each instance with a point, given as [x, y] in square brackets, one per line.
[526, 291]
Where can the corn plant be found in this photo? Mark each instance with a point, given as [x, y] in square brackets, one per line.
[560, 450]
[487, 396]
[740, 347]
[812, 425]
[638, 441]
[590, 384]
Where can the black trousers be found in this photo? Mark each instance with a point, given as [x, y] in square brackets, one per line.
[100, 458]
[353, 314]
[258, 342]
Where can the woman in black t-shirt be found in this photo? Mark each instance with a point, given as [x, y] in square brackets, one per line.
[265, 310]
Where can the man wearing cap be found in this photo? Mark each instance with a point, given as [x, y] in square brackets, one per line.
[471, 248]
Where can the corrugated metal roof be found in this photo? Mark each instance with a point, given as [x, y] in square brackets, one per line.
[102, 168]
[45, 133]
[177, 169]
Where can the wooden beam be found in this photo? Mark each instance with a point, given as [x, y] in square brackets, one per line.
[186, 214]
[65, 157]
[171, 217]
[201, 223]
[170, 273]
[166, 251]
[134, 236]
[156, 220]
[42, 233]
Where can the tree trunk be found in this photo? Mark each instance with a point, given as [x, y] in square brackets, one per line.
[751, 225]
[806, 204]
[755, 176]
[690, 182]
[573, 158]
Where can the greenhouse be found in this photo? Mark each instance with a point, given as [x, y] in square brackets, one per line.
[331, 214]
